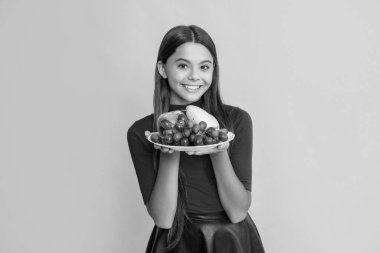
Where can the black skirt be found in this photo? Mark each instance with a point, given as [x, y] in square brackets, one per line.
[210, 233]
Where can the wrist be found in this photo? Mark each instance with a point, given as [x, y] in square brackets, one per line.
[171, 158]
[218, 155]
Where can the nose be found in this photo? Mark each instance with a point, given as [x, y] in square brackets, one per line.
[193, 75]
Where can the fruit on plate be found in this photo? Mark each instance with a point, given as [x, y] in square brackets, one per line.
[168, 119]
[195, 128]
[198, 115]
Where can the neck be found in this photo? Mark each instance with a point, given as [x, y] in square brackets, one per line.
[174, 107]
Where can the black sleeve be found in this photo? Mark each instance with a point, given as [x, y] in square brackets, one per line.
[241, 148]
[142, 156]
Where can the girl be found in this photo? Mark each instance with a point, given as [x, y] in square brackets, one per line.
[199, 200]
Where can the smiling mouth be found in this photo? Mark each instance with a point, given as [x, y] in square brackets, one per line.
[191, 87]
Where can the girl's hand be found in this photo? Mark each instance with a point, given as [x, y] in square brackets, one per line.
[219, 148]
[163, 150]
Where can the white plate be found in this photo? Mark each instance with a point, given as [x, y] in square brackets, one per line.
[230, 135]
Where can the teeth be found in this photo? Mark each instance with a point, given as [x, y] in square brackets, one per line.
[192, 87]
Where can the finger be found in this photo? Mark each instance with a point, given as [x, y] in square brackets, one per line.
[200, 152]
[156, 146]
[190, 152]
[223, 146]
[208, 151]
[170, 151]
[165, 150]
[147, 133]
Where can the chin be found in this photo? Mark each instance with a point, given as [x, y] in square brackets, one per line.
[185, 97]
[191, 99]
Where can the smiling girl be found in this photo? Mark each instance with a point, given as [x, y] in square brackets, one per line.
[198, 200]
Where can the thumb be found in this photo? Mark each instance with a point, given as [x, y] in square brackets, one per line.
[147, 133]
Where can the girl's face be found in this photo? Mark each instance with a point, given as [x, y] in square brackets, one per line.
[189, 72]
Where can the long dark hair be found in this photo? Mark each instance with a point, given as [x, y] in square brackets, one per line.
[174, 38]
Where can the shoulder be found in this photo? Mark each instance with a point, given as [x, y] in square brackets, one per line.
[139, 127]
[146, 122]
[237, 113]
[241, 121]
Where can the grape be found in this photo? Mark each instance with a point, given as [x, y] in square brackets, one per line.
[185, 142]
[203, 126]
[223, 130]
[209, 130]
[154, 137]
[182, 117]
[168, 139]
[208, 140]
[168, 131]
[190, 123]
[166, 124]
[177, 137]
[214, 133]
[180, 125]
[223, 137]
[192, 137]
[198, 140]
[196, 128]
[186, 132]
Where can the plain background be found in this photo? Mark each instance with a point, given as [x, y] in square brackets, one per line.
[76, 74]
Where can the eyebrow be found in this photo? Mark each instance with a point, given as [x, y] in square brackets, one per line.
[182, 59]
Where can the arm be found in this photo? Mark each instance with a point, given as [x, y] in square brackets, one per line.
[162, 204]
[233, 172]
[235, 199]
[159, 188]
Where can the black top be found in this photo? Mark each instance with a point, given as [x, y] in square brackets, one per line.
[200, 182]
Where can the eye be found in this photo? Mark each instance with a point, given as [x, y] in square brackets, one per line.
[182, 66]
[205, 67]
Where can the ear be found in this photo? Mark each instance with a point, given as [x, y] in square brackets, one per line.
[161, 69]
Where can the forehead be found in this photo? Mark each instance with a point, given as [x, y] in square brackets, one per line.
[193, 52]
